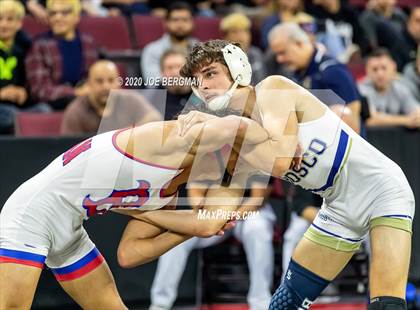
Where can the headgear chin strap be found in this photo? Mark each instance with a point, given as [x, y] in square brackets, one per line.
[240, 71]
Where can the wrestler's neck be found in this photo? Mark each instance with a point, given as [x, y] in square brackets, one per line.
[243, 99]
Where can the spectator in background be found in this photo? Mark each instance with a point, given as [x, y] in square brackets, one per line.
[282, 11]
[390, 101]
[328, 40]
[401, 44]
[59, 60]
[38, 10]
[324, 36]
[248, 7]
[412, 76]
[315, 70]
[106, 107]
[381, 11]
[177, 96]
[127, 7]
[256, 235]
[96, 8]
[179, 24]
[345, 19]
[13, 48]
[236, 28]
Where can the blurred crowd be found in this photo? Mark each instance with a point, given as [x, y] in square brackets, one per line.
[366, 53]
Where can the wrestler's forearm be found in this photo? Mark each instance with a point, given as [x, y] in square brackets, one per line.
[147, 250]
[250, 131]
[219, 131]
[186, 222]
[271, 157]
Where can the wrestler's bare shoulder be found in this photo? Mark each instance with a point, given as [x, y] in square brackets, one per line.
[294, 96]
[278, 82]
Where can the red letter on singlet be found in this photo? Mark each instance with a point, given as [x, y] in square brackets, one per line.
[76, 150]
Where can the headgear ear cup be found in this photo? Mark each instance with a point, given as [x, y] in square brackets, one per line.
[238, 64]
[240, 71]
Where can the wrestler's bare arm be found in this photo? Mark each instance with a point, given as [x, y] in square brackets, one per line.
[156, 232]
[187, 221]
[248, 130]
[219, 131]
[159, 142]
[143, 242]
[277, 105]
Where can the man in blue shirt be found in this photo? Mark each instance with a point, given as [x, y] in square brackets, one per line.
[312, 68]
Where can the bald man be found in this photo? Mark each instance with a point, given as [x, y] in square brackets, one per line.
[97, 111]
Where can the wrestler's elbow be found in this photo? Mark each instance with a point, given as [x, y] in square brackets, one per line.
[124, 258]
[232, 127]
[243, 127]
[127, 258]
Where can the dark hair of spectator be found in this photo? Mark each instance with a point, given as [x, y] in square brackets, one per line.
[177, 6]
[170, 52]
[202, 55]
[380, 52]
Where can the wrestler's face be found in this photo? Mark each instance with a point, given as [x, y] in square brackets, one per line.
[214, 80]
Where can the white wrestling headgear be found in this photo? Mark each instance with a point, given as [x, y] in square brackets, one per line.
[240, 71]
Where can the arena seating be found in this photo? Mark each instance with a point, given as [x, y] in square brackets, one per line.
[32, 27]
[147, 29]
[207, 28]
[38, 124]
[110, 33]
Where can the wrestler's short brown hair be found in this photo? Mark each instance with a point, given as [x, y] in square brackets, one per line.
[202, 55]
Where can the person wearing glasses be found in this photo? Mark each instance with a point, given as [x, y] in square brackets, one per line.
[59, 60]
